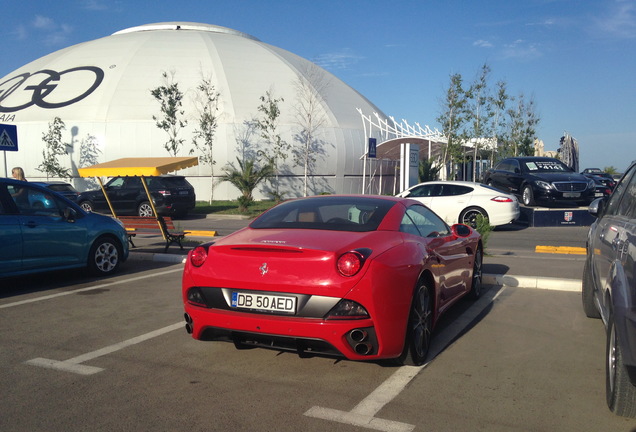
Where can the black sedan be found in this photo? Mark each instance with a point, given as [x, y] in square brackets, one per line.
[541, 180]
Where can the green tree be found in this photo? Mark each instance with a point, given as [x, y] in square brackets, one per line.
[611, 170]
[89, 155]
[172, 121]
[499, 102]
[452, 117]
[246, 178]
[310, 117]
[428, 171]
[522, 124]
[207, 105]
[54, 148]
[277, 148]
[479, 112]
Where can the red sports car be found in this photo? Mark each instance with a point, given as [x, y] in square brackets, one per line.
[364, 277]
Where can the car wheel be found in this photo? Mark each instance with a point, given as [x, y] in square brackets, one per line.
[587, 291]
[469, 216]
[145, 210]
[475, 288]
[620, 392]
[527, 196]
[86, 206]
[104, 256]
[420, 326]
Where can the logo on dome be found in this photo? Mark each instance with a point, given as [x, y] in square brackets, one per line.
[70, 86]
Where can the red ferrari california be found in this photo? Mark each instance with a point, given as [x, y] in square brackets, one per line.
[364, 277]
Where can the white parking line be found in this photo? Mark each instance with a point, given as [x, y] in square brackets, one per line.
[363, 414]
[74, 364]
[65, 293]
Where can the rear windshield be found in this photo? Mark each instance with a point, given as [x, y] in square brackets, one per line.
[168, 182]
[326, 213]
[61, 188]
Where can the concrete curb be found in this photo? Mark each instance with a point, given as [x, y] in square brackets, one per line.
[572, 285]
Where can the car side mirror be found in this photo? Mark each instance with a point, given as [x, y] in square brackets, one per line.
[517, 171]
[597, 206]
[461, 230]
[70, 215]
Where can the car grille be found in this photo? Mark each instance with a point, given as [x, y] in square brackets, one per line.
[570, 186]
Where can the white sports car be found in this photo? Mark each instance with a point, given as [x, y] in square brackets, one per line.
[463, 201]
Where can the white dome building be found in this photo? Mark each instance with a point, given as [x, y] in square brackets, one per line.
[102, 89]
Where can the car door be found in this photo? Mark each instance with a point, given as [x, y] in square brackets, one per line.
[128, 194]
[449, 254]
[10, 233]
[424, 193]
[450, 200]
[49, 240]
[609, 233]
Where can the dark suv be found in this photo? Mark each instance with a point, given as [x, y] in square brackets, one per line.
[541, 180]
[172, 196]
[609, 288]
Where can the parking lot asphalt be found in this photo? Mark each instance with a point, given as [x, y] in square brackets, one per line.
[516, 256]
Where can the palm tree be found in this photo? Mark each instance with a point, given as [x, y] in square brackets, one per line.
[246, 178]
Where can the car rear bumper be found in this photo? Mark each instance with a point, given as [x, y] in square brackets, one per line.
[353, 339]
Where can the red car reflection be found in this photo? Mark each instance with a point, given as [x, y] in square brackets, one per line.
[364, 277]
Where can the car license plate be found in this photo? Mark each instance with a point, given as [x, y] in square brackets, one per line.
[185, 192]
[263, 302]
[599, 194]
[571, 194]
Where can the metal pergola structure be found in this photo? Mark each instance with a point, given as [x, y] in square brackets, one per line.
[392, 136]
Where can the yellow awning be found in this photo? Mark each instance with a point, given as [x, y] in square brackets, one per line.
[140, 166]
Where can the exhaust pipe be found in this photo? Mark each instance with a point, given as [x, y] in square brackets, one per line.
[188, 326]
[363, 348]
[358, 335]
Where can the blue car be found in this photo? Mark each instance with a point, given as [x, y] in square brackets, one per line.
[43, 231]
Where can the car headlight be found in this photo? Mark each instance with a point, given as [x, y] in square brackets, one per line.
[591, 184]
[543, 185]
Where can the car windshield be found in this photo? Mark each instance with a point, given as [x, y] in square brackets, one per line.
[359, 214]
[546, 166]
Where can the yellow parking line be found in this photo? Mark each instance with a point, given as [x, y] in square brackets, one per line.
[560, 250]
[201, 233]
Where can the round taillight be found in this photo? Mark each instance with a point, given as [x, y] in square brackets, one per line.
[350, 263]
[198, 256]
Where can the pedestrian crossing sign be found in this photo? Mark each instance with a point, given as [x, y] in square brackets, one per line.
[8, 137]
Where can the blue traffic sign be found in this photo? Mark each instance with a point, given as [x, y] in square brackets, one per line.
[8, 137]
[372, 148]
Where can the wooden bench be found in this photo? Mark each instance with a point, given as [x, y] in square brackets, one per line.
[151, 225]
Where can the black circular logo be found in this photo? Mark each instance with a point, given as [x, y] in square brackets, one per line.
[42, 84]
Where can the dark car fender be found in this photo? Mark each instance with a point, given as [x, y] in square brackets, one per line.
[623, 304]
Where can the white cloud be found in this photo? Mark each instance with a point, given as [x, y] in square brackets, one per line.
[620, 20]
[43, 23]
[521, 49]
[95, 5]
[336, 60]
[482, 43]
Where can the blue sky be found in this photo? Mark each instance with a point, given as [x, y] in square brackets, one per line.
[576, 58]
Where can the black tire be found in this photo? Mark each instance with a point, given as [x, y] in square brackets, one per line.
[145, 210]
[619, 390]
[420, 327]
[475, 288]
[469, 216]
[87, 206]
[527, 196]
[587, 292]
[104, 256]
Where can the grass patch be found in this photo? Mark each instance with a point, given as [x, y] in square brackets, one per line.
[231, 207]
